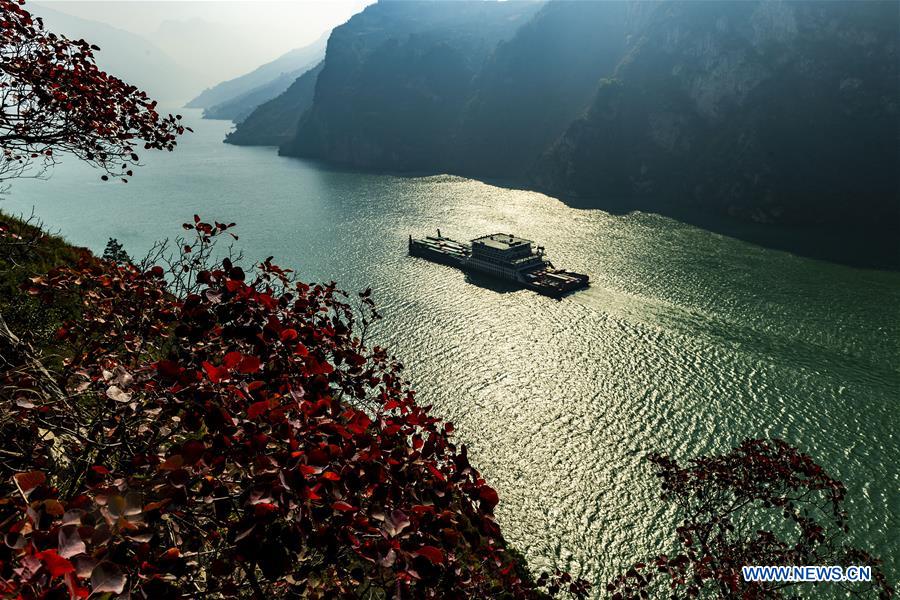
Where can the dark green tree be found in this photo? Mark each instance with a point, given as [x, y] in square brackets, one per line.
[115, 252]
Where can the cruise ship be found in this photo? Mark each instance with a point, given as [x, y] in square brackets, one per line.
[504, 256]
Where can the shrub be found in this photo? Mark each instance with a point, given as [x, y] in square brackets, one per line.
[237, 441]
[115, 252]
[763, 503]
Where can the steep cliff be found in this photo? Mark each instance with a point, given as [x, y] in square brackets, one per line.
[274, 122]
[396, 81]
[534, 85]
[765, 110]
[769, 111]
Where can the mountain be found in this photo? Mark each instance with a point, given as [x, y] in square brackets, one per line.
[239, 108]
[536, 83]
[767, 111]
[397, 79]
[126, 55]
[274, 122]
[240, 95]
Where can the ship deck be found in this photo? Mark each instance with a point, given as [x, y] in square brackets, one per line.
[441, 249]
[555, 282]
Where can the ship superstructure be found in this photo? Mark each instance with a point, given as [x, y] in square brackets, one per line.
[504, 256]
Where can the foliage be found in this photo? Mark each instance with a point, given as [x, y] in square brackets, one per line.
[763, 503]
[237, 441]
[26, 249]
[115, 252]
[54, 99]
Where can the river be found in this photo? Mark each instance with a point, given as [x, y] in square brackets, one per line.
[686, 342]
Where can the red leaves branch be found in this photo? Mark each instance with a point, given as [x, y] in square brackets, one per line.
[250, 441]
[724, 502]
[55, 99]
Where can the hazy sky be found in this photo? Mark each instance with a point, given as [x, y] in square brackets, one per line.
[227, 37]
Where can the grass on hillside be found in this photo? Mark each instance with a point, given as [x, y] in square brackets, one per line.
[27, 250]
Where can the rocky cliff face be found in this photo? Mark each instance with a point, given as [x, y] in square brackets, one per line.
[396, 81]
[764, 110]
[274, 123]
[769, 111]
[536, 83]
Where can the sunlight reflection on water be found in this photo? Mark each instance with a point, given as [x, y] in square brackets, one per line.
[687, 341]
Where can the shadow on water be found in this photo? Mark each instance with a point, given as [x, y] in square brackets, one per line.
[502, 286]
[487, 282]
[860, 246]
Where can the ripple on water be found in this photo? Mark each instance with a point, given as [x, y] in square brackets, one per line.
[687, 342]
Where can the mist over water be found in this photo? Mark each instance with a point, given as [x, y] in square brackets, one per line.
[687, 341]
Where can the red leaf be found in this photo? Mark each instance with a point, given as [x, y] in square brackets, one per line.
[436, 473]
[257, 408]
[317, 367]
[168, 368]
[232, 359]
[173, 463]
[214, 373]
[56, 564]
[264, 508]
[288, 335]
[435, 555]
[54, 508]
[310, 470]
[249, 364]
[343, 507]
[28, 481]
[192, 451]
[489, 496]
[360, 424]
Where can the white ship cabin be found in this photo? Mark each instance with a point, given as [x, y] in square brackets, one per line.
[505, 255]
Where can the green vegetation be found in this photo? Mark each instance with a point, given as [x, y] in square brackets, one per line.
[27, 251]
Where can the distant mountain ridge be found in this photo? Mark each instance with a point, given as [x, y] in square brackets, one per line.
[274, 122]
[764, 110]
[236, 98]
[239, 108]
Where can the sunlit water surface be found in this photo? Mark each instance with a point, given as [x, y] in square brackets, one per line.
[687, 341]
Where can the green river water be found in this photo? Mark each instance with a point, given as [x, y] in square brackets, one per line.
[686, 342]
